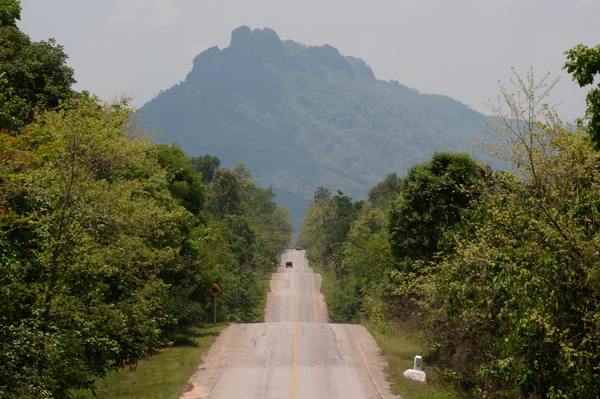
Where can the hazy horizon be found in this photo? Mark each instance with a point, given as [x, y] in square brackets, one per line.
[458, 48]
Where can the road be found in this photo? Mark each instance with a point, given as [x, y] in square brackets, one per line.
[295, 354]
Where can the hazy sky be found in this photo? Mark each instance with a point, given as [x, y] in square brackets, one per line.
[460, 48]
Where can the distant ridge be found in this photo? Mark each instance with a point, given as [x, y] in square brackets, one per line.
[305, 116]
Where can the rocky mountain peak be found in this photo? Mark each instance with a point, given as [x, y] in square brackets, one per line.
[250, 48]
[240, 37]
[259, 43]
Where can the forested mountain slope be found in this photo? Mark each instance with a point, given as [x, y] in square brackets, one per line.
[302, 117]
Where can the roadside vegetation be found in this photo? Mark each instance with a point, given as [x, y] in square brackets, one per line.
[263, 289]
[399, 343]
[162, 376]
[110, 243]
[492, 275]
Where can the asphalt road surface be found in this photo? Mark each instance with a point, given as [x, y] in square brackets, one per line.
[295, 353]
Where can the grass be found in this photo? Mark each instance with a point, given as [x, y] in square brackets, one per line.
[400, 347]
[163, 375]
[263, 287]
[328, 284]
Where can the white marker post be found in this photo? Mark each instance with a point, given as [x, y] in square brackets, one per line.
[418, 363]
[416, 373]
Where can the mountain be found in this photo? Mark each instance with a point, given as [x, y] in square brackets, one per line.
[305, 116]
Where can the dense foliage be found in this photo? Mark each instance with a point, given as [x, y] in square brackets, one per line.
[500, 269]
[583, 63]
[105, 248]
[33, 75]
[10, 12]
[302, 117]
[108, 243]
[433, 195]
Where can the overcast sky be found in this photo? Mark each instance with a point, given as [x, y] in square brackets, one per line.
[460, 48]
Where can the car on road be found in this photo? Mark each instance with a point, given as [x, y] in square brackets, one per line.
[298, 248]
[289, 264]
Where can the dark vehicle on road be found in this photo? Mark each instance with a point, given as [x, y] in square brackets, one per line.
[288, 264]
[298, 248]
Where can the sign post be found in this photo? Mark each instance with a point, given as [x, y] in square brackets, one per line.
[215, 290]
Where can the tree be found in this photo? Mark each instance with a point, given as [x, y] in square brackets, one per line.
[385, 191]
[18, 152]
[10, 12]
[583, 63]
[224, 195]
[35, 76]
[282, 229]
[207, 165]
[185, 184]
[431, 200]
[346, 212]
[11, 106]
[321, 194]
[316, 225]
[326, 225]
[366, 264]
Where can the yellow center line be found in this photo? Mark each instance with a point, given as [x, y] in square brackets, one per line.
[295, 340]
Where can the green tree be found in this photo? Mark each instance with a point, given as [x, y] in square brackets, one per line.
[316, 225]
[34, 76]
[432, 197]
[346, 212]
[520, 296]
[324, 231]
[326, 225]
[185, 184]
[207, 165]
[84, 292]
[258, 229]
[385, 191]
[10, 12]
[242, 238]
[583, 63]
[224, 196]
[366, 264]
[282, 229]
[321, 194]
[11, 106]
